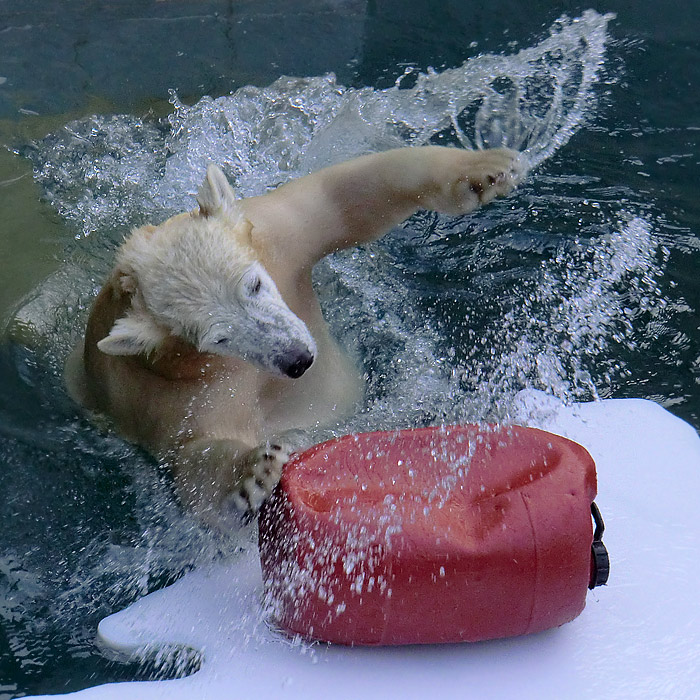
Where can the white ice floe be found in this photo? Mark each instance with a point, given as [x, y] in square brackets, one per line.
[639, 637]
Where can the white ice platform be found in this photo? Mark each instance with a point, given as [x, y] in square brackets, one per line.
[639, 636]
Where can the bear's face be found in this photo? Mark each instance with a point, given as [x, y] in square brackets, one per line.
[197, 276]
[255, 324]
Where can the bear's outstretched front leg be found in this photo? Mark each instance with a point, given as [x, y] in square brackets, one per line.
[377, 192]
[214, 476]
[360, 200]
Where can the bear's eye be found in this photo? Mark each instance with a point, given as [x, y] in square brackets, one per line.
[221, 341]
[254, 286]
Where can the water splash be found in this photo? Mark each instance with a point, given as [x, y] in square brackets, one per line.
[538, 108]
[566, 336]
[533, 101]
[108, 173]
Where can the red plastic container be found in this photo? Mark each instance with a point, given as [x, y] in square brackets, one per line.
[430, 535]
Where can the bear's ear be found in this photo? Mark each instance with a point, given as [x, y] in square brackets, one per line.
[133, 334]
[216, 194]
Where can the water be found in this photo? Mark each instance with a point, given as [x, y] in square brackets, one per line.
[581, 284]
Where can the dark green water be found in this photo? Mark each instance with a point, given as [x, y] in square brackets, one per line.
[584, 284]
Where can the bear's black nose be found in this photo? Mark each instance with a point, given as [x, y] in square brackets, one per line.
[300, 364]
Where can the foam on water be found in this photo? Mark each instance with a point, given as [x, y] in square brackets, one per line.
[450, 318]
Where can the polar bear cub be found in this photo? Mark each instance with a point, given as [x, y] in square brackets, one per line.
[208, 338]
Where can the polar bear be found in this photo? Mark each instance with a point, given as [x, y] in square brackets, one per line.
[208, 338]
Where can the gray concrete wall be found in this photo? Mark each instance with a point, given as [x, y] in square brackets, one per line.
[57, 55]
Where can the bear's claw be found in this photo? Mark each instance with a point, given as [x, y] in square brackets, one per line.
[263, 469]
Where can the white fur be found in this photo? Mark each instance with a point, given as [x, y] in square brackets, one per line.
[202, 282]
[216, 194]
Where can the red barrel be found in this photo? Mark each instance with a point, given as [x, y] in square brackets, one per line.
[430, 535]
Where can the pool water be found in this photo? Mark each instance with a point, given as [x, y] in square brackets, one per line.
[584, 283]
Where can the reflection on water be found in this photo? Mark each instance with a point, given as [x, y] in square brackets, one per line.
[29, 232]
[557, 287]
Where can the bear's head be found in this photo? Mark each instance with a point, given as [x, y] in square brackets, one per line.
[198, 276]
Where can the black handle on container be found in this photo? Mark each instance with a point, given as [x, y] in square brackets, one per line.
[600, 561]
